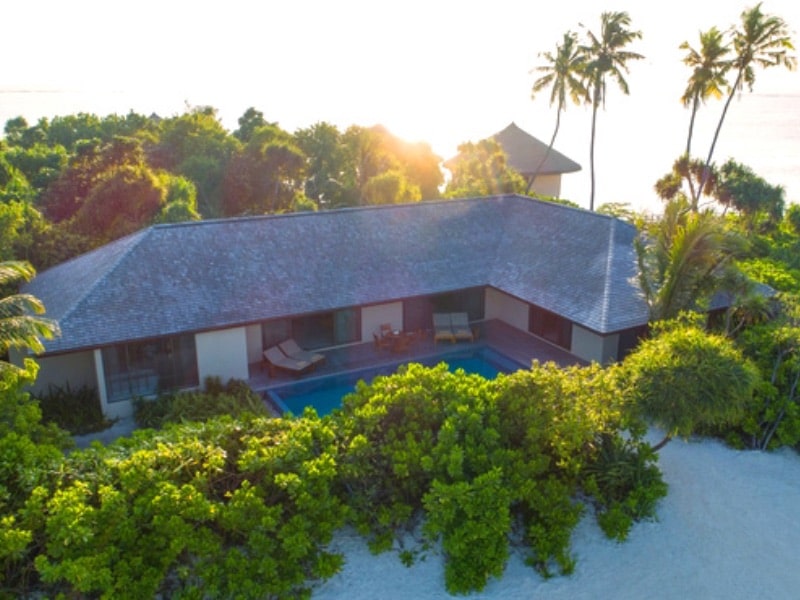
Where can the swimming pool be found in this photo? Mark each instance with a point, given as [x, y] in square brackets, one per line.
[325, 393]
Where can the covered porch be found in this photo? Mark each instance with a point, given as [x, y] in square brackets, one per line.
[516, 344]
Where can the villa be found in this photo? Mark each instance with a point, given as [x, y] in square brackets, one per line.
[170, 305]
[541, 166]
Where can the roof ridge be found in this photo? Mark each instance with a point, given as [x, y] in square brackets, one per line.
[608, 272]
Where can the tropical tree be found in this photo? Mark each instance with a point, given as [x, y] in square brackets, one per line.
[390, 187]
[682, 259]
[758, 202]
[21, 325]
[563, 74]
[251, 120]
[606, 58]
[265, 176]
[709, 67]
[683, 378]
[198, 147]
[330, 176]
[685, 177]
[761, 41]
[481, 169]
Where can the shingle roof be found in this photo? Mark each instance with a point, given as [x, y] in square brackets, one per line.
[525, 153]
[212, 274]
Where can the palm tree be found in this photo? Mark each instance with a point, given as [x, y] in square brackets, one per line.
[683, 258]
[762, 41]
[563, 74]
[606, 58]
[709, 68]
[20, 327]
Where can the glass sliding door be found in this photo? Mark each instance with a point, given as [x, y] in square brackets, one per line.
[141, 369]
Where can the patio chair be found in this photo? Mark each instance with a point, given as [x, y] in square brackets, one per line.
[292, 350]
[402, 342]
[441, 328]
[381, 342]
[276, 359]
[459, 323]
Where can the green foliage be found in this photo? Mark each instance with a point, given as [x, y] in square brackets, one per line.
[77, 411]
[227, 508]
[475, 457]
[21, 326]
[481, 169]
[390, 187]
[234, 398]
[625, 484]
[772, 272]
[684, 378]
[245, 506]
[120, 202]
[760, 203]
[548, 419]
[683, 257]
[30, 455]
[772, 416]
[474, 521]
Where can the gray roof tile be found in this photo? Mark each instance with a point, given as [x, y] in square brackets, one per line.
[212, 274]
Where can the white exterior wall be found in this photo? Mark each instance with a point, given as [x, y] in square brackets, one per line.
[222, 354]
[75, 368]
[547, 185]
[373, 316]
[592, 346]
[506, 308]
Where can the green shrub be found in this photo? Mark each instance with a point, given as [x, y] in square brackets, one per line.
[234, 398]
[624, 483]
[244, 506]
[474, 522]
[226, 508]
[78, 411]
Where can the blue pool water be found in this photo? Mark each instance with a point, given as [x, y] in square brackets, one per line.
[325, 393]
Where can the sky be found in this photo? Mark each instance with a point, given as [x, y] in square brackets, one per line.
[444, 72]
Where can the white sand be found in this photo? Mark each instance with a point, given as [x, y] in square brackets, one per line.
[729, 528]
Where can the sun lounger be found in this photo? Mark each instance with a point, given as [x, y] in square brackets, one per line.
[292, 350]
[441, 328]
[276, 359]
[459, 324]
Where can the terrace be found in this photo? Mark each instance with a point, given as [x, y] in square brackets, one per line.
[518, 345]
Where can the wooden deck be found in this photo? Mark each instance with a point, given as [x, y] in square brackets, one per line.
[518, 345]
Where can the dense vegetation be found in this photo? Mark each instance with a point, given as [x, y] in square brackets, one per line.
[246, 506]
[221, 500]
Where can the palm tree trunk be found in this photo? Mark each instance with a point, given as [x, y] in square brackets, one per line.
[546, 154]
[704, 178]
[591, 150]
[662, 443]
[695, 106]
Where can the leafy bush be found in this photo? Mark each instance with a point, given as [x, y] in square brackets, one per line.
[234, 398]
[771, 417]
[474, 456]
[625, 484]
[244, 506]
[78, 411]
[226, 508]
[683, 379]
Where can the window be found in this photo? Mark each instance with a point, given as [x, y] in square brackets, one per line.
[550, 326]
[319, 330]
[471, 301]
[147, 368]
